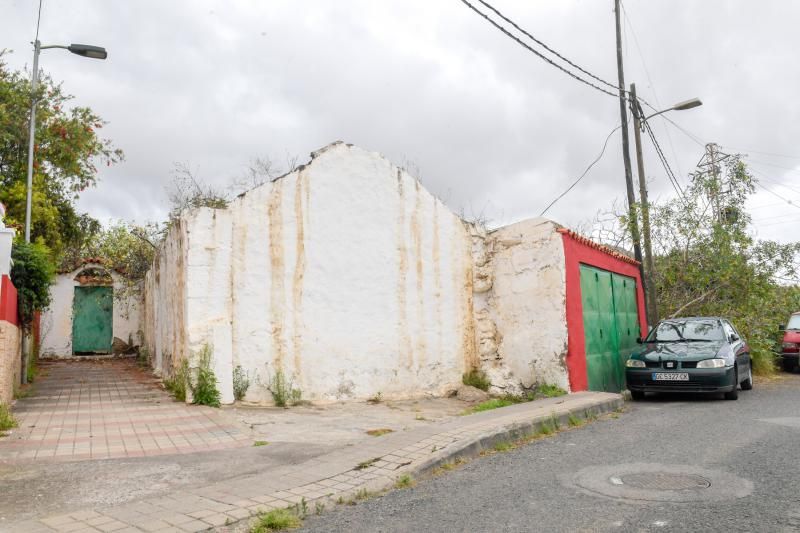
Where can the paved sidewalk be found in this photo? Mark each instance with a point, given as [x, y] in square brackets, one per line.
[373, 465]
[110, 408]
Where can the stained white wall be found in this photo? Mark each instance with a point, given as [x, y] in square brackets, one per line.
[346, 274]
[56, 322]
[164, 303]
[521, 306]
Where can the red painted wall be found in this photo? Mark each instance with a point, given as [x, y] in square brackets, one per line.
[579, 250]
[8, 301]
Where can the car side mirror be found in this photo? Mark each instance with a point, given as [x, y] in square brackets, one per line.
[781, 328]
[639, 340]
[733, 337]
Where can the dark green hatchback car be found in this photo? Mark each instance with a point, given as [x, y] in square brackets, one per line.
[697, 354]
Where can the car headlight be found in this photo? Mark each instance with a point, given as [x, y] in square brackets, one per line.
[634, 363]
[711, 363]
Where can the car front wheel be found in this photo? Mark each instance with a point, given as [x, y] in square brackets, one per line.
[734, 394]
[747, 384]
[637, 395]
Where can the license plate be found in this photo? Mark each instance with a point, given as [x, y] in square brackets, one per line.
[670, 376]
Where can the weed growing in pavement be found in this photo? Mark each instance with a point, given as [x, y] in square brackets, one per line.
[574, 421]
[204, 386]
[488, 405]
[379, 432]
[421, 418]
[377, 398]
[301, 509]
[404, 482]
[283, 391]
[260, 443]
[143, 357]
[476, 378]
[554, 422]
[591, 416]
[366, 464]
[276, 520]
[362, 494]
[7, 420]
[176, 384]
[446, 467]
[340, 500]
[241, 382]
[319, 508]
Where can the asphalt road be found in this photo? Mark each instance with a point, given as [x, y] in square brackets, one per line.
[619, 474]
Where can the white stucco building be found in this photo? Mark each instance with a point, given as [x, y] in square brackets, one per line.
[351, 279]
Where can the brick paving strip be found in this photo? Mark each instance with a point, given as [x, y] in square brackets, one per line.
[105, 409]
[372, 466]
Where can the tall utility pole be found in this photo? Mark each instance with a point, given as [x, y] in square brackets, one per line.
[650, 301]
[633, 222]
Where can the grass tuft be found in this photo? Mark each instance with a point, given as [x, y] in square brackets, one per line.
[366, 464]
[276, 520]
[404, 482]
[574, 421]
[260, 443]
[476, 378]
[550, 391]
[7, 420]
[176, 384]
[503, 446]
[204, 388]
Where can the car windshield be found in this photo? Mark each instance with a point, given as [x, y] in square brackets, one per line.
[687, 330]
[794, 322]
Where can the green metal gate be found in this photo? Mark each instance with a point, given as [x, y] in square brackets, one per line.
[610, 324]
[92, 313]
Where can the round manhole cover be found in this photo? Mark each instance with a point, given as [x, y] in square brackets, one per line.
[664, 481]
[659, 482]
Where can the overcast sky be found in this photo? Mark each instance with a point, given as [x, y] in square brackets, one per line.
[493, 130]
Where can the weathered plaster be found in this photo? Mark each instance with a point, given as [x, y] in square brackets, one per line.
[521, 319]
[346, 275]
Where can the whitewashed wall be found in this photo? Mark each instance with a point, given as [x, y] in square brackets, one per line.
[164, 303]
[56, 324]
[346, 274]
[521, 316]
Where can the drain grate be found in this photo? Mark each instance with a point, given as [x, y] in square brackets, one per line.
[664, 481]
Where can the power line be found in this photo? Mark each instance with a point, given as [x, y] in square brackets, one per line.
[540, 43]
[38, 20]
[649, 80]
[670, 174]
[574, 183]
[536, 52]
[791, 203]
[764, 153]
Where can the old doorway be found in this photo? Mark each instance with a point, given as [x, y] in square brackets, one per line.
[611, 326]
[92, 319]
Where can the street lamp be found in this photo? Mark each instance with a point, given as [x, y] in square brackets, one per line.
[638, 122]
[85, 50]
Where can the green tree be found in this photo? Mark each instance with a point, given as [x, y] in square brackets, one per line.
[708, 263]
[67, 151]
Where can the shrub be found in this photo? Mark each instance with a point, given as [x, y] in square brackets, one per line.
[176, 384]
[204, 386]
[32, 273]
[283, 391]
[241, 382]
[476, 378]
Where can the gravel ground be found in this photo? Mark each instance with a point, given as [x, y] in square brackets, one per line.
[748, 449]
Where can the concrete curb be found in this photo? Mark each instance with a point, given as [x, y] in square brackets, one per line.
[509, 432]
[466, 449]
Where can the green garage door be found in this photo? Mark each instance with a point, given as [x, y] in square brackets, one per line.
[611, 326]
[91, 320]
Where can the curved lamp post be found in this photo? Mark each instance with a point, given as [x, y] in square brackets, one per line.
[651, 303]
[85, 50]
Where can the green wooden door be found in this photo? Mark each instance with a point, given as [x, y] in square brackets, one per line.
[92, 312]
[610, 323]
